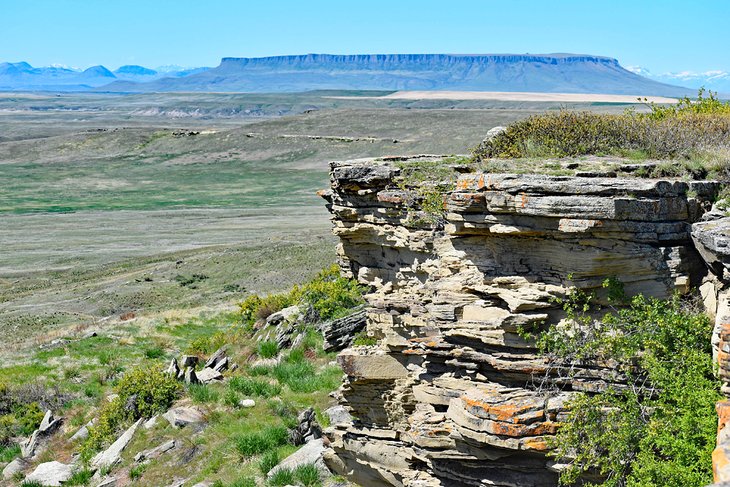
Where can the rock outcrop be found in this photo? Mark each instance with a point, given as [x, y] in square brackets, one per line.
[447, 395]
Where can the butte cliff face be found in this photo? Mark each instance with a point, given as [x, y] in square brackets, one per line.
[449, 394]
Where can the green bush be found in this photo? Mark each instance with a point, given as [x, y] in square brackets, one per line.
[659, 432]
[329, 295]
[207, 344]
[684, 131]
[230, 398]
[267, 349]
[256, 443]
[141, 392]
[154, 353]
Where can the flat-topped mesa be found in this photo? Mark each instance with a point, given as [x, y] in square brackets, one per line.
[446, 396]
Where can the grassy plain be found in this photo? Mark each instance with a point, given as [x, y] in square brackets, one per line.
[108, 202]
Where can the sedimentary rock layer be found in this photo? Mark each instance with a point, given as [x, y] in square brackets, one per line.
[452, 395]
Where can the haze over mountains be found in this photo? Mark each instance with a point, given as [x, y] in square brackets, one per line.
[550, 73]
[23, 76]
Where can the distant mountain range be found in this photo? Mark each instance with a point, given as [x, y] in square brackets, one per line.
[718, 81]
[23, 76]
[552, 73]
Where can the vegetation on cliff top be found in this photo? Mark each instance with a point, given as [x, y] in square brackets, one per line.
[659, 428]
[691, 130]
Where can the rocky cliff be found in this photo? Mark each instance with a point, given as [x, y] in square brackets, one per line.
[451, 394]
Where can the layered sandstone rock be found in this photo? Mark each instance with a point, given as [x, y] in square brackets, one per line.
[452, 395]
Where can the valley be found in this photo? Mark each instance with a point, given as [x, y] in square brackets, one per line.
[106, 200]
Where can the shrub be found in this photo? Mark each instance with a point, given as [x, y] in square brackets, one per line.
[254, 387]
[267, 349]
[141, 392]
[659, 432]
[154, 352]
[329, 295]
[686, 131]
[207, 344]
[255, 443]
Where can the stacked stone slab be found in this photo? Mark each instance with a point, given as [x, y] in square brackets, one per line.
[449, 395]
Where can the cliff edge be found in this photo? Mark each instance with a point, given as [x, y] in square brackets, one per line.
[450, 393]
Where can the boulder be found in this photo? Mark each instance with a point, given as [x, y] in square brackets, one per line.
[49, 424]
[83, 432]
[107, 481]
[190, 376]
[208, 375]
[311, 453]
[154, 452]
[15, 467]
[182, 416]
[247, 403]
[339, 334]
[152, 422]
[285, 315]
[51, 474]
[173, 369]
[307, 428]
[712, 240]
[493, 132]
[338, 415]
[112, 455]
[221, 365]
[215, 358]
[189, 361]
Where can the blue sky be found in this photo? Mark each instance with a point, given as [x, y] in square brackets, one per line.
[667, 35]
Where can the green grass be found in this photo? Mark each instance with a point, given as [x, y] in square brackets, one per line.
[282, 477]
[301, 375]
[269, 460]
[9, 452]
[80, 477]
[203, 393]
[267, 349]
[254, 387]
[256, 443]
[308, 475]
